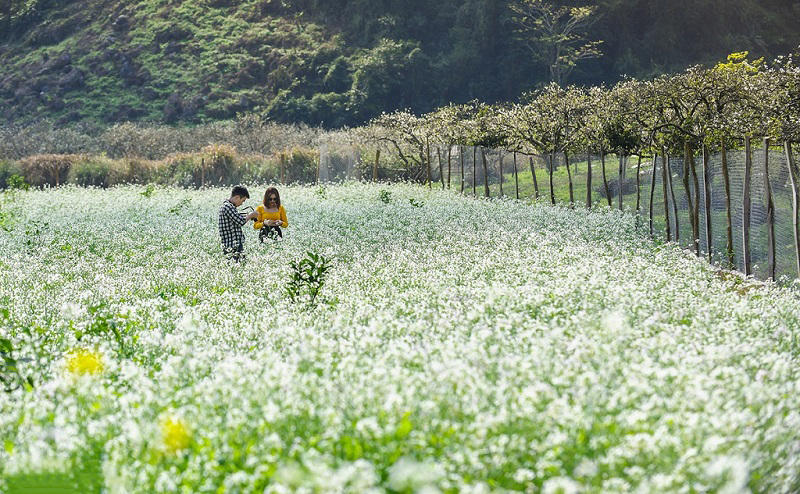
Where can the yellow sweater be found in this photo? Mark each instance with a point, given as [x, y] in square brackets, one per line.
[264, 215]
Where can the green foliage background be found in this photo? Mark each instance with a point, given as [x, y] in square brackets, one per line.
[332, 62]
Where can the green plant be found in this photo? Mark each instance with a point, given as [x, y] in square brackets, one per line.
[321, 192]
[10, 377]
[415, 203]
[149, 191]
[176, 209]
[385, 196]
[308, 277]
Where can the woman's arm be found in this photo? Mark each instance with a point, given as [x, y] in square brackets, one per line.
[284, 220]
[260, 220]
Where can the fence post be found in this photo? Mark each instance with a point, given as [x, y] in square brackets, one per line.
[535, 182]
[748, 269]
[552, 192]
[638, 185]
[653, 191]
[666, 196]
[375, 166]
[428, 162]
[770, 215]
[588, 179]
[461, 157]
[727, 183]
[283, 167]
[474, 169]
[441, 170]
[687, 175]
[620, 179]
[485, 173]
[787, 146]
[707, 196]
[501, 173]
[569, 179]
[516, 175]
[449, 163]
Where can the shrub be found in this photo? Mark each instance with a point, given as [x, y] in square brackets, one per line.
[142, 171]
[217, 164]
[7, 170]
[299, 165]
[98, 171]
[256, 168]
[48, 169]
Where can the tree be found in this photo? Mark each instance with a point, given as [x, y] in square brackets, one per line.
[556, 35]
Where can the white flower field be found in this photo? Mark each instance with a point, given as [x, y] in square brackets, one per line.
[457, 345]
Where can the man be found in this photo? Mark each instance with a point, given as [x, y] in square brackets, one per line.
[231, 222]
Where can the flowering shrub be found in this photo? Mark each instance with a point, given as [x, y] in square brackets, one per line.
[465, 345]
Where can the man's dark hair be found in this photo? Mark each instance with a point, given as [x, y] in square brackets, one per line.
[241, 191]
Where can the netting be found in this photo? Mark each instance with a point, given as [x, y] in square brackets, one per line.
[639, 185]
[338, 163]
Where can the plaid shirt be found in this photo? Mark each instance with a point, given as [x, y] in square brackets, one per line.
[230, 225]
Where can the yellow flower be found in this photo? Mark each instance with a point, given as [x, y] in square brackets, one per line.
[175, 434]
[84, 361]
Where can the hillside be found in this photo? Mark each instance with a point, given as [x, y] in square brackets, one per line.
[331, 63]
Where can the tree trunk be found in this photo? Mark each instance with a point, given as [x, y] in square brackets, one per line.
[588, 180]
[696, 211]
[474, 169]
[677, 232]
[375, 166]
[653, 191]
[441, 171]
[516, 176]
[501, 174]
[687, 152]
[605, 179]
[747, 258]
[461, 157]
[621, 179]
[726, 181]
[770, 215]
[535, 182]
[707, 203]
[428, 163]
[793, 174]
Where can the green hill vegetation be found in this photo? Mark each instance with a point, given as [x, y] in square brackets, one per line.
[332, 63]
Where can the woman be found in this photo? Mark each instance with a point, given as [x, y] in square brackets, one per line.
[271, 215]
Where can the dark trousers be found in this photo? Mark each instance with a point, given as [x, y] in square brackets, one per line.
[234, 253]
[266, 231]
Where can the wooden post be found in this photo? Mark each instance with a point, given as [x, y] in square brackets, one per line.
[282, 161]
[449, 163]
[748, 268]
[375, 166]
[569, 179]
[535, 182]
[202, 173]
[677, 232]
[461, 157]
[516, 175]
[707, 196]
[696, 211]
[653, 190]
[501, 173]
[319, 164]
[474, 169]
[787, 146]
[588, 179]
[687, 151]
[666, 196]
[552, 192]
[485, 173]
[441, 170]
[638, 185]
[428, 162]
[728, 215]
[621, 173]
[770, 215]
[605, 180]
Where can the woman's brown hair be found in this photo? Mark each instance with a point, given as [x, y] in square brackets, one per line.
[272, 190]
